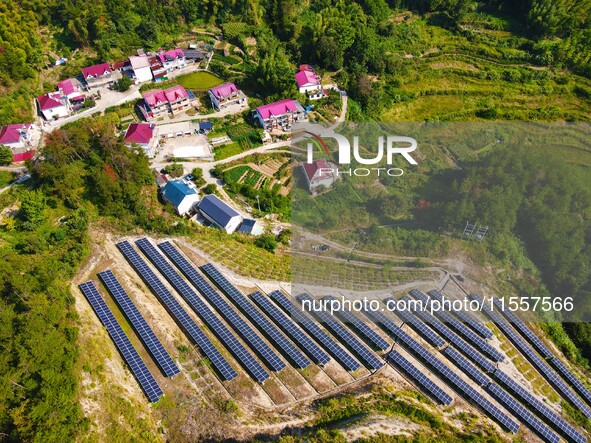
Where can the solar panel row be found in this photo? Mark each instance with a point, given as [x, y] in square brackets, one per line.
[523, 414]
[561, 387]
[177, 311]
[447, 374]
[466, 318]
[257, 318]
[361, 327]
[419, 378]
[430, 336]
[141, 327]
[524, 330]
[466, 366]
[346, 360]
[339, 331]
[289, 327]
[569, 376]
[543, 411]
[129, 353]
[213, 297]
[458, 342]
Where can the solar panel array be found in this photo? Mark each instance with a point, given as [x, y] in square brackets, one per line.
[139, 324]
[524, 330]
[231, 316]
[129, 353]
[468, 368]
[569, 376]
[259, 319]
[419, 378]
[447, 374]
[523, 414]
[346, 360]
[430, 336]
[177, 311]
[297, 335]
[550, 416]
[221, 331]
[361, 327]
[343, 334]
[466, 318]
[561, 387]
[453, 338]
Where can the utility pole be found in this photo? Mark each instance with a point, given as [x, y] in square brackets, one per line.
[259, 202]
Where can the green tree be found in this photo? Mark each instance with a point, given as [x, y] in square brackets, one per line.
[5, 155]
[267, 242]
[123, 84]
[32, 211]
[210, 189]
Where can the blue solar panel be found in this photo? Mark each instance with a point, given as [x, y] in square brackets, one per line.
[361, 327]
[177, 311]
[523, 414]
[201, 309]
[343, 334]
[466, 366]
[541, 409]
[421, 379]
[434, 339]
[466, 318]
[289, 327]
[314, 330]
[139, 324]
[524, 330]
[231, 316]
[570, 377]
[446, 374]
[457, 341]
[256, 317]
[541, 365]
[130, 355]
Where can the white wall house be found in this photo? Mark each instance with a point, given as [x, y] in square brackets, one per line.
[141, 67]
[181, 195]
[53, 105]
[318, 173]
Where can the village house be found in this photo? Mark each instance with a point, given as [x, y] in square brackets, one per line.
[318, 173]
[70, 91]
[52, 106]
[182, 195]
[280, 115]
[159, 103]
[225, 95]
[143, 135]
[219, 213]
[141, 68]
[97, 76]
[15, 136]
[174, 59]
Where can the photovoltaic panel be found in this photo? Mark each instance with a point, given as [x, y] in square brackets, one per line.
[177, 311]
[467, 367]
[231, 316]
[362, 327]
[201, 309]
[466, 318]
[369, 358]
[570, 377]
[129, 353]
[541, 409]
[296, 334]
[524, 330]
[434, 339]
[452, 337]
[346, 360]
[419, 378]
[541, 366]
[139, 324]
[523, 414]
[445, 373]
[256, 317]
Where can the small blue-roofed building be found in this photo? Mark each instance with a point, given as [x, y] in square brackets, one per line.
[205, 127]
[183, 196]
[219, 213]
[250, 226]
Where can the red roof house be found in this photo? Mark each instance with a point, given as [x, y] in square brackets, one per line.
[307, 81]
[176, 93]
[12, 135]
[52, 106]
[96, 71]
[139, 133]
[318, 173]
[280, 114]
[225, 95]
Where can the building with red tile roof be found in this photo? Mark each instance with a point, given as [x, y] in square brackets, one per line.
[52, 105]
[172, 100]
[225, 95]
[144, 136]
[15, 136]
[98, 75]
[280, 115]
[318, 173]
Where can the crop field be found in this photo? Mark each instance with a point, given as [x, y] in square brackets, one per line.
[199, 81]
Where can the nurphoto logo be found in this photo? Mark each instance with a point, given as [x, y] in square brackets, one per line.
[389, 146]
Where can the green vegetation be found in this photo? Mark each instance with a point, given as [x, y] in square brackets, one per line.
[123, 84]
[198, 81]
[225, 151]
[6, 177]
[5, 155]
[175, 170]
